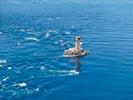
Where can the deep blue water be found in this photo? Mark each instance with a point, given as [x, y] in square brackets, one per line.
[33, 39]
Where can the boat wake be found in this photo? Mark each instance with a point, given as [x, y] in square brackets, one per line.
[31, 39]
[60, 73]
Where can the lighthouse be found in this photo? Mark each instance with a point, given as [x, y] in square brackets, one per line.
[77, 43]
[75, 51]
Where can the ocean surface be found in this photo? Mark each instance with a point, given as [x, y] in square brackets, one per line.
[34, 35]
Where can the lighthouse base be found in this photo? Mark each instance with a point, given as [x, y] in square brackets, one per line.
[72, 52]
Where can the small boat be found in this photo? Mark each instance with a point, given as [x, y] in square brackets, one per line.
[76, 51]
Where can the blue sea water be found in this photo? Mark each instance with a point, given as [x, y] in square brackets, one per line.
[34, 35]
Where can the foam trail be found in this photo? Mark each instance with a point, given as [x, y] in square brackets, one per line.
[42, 67]
[64, 72]
[9, 68]
[73, 72]
[3, 61]
[47, 35]
[32, 39]
[5, 79]
[37, 89]
[22, 84]
[50, 33]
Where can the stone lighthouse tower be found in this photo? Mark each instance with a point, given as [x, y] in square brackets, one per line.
[77, 43]
[75, 51]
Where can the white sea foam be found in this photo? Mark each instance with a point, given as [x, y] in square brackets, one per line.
[73, 72]
[49, 31]
[22, 84]
[58, 71]
[47, 35]
[64, 72]
[9, 68]
[3, 61]
[37, 89]
[81, 43]
[42, 67]
[32, 39]
[5, 79]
